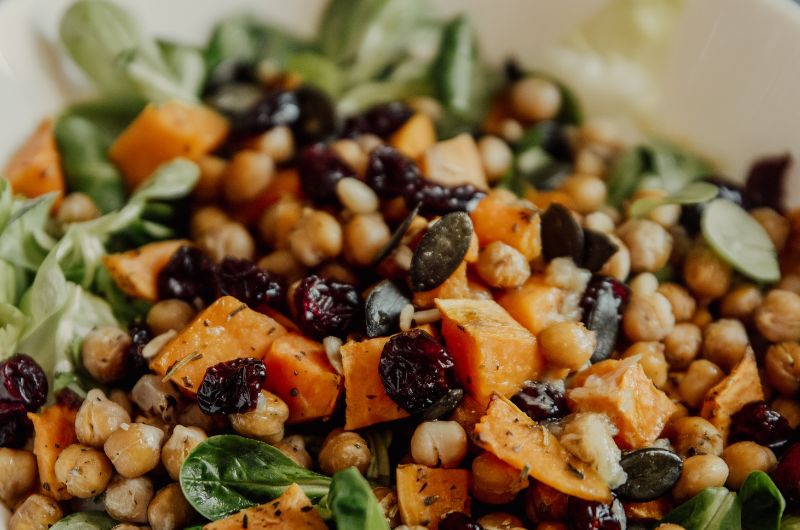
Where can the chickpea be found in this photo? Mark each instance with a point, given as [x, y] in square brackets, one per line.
[169, 509]
[439, 444]
[228, 239]
[501, 521]
[178, 447]
[206, 219]
[212, 171]
[127, 499]
[84, 471]
[683, 303]
[126, 526]
[619, 264]
[778, 316]
[705, 273]
[700, 472]
[37, 512]
[192, 416]
[356, 196]
[77, 207]
[669, 526]
[666, 215]
[591, 161]
[97, 418]
[368, 142]
[649, 244]
[535, 99]
[277, 143]
[776, 225]
[648, 317]
[20, 474]
[316, 237]
[120, 397]
[343, 449]
[169, 315]
[278, 221]
[682, 345]
[156, 397]
[567, 344]
[599, 222]
[265, 422]
[782, 365]
[494, 481]
[745, 457]
[283, 263]
[247, 176]
[651, 357]
[588, 192]
[740, 302]
[502, 265]
[511, 130]
[364, 236]
[103, 353]
[351, 154]
[496, 156]
[725, 342]
[134, 449]
[338, 273]
[693, 435]
[644, 283]
[702, 317]
[789, 282]
[700, 377]
[294, 447]
[789, 409]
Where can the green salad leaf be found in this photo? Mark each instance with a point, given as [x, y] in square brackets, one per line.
[343, 25]
[711, 509]
[353, 504]
[762, 503]
[85, 521]
[380, 467]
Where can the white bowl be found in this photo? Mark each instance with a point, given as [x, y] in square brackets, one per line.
[729, 86]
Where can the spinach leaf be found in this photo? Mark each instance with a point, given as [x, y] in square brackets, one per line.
[227, 473]
[353, 504]
[711, 509]
[532, 164]
[380, 467]
[625, 175]
[316, 70]
[187, 64]
[762, 503]
[85, 521]
[343, 25]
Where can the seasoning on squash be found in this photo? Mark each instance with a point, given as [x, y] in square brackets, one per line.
[416, 135]
[136, 271]
[622, 390]
[54, 431]
[35, 168]
[510, 435]
[535, 304]
[225, 330]
[291, 511]
[298, 372]
[453, 162]
[492, 352]
[501, 217]
[426, 494]
[654, 510]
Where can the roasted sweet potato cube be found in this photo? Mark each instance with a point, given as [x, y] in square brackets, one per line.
[136, 271]
[414, 136]
[35, 168]
[426, 494]
[500, 218]
[739, 388]
[453, 162]
[456, 286]
[54, 431]
[534, 304]
[291, 511]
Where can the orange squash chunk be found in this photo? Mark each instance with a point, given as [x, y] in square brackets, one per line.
[623, 391]
[492, 352]
[500, 218]
[298, 372]
[456, 286]
[739, 388]
[286, 184]
[163, 132]
[136, 271]
[415, 136]
[54, 431]
[510, 435]
[225, 330]
[366, 402]
[543, 199]
[35, 168]
[534, 304]
[426, 494]
[654, 510]
[453, 162]
[291, 511]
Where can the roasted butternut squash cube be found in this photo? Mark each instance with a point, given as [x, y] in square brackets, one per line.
[298, 372]
[291, 511]
[453, 162]
[54, 431]
[285, 185]
[163, 132]
[510, 435]
[492, 352]
[498, 217]
[654, 510]
[366, 402]
[414, 136]
[426, 494]
[35, 168]
[623, 391]
[225, 330]
[456, 286]
[136, 271]
[542, 199]
[534, 304]
[739, 388]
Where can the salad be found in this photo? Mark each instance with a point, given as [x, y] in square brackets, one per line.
[370, 280]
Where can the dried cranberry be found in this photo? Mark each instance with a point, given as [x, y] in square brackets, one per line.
[759, 423]
[325, 307]
[320, 170]
[135, 363]
[542, 400]
[598, 282]
[381, 120]
[23, 381]
[766, 180]
[389, 172]
[15, 427]
[787, 474]
[589, 515]
[602, 304]
[459, 521]
[435, 199]
[416, 370]
[232, 386]
[188, 275]
[69, 398]
[254, 286]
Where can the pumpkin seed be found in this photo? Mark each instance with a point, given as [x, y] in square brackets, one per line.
[562, 236]
[383, 307]
[597, 249]
[444, 405]
[651, 473]
[441, 251]
[396, 236]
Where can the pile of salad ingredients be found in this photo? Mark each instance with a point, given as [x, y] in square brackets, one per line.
[367, 281]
